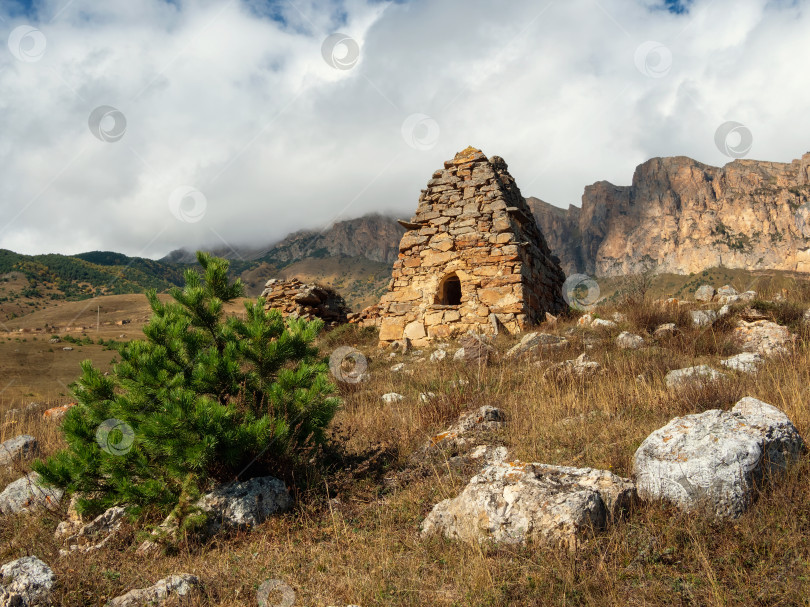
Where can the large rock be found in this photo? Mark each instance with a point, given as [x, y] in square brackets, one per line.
[182, 585]
[747, 362]
[764, 337]
[17, 448]
[704, 293]
[246, 504]
[26, 582]
[713, 460]
[26, 494]
[231, 506]
[701, 374]
[512, 502]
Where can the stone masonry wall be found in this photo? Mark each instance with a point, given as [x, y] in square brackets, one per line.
[472, 224]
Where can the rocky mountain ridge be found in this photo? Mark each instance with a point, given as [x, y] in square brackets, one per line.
[374, 237]
[683, 216]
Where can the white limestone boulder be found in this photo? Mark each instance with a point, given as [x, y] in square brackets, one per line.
[514, 502]
[26, 494]
[703, 318]
[17, 448]
[712, 461]
[746, 362]
[629, 341]
[700, 374]
[764, 337]
[704, 293]
[26, 582]
[182, 585]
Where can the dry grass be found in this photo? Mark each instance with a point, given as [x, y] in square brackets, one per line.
[353, 536]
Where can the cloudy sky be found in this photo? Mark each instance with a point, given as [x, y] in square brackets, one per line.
[143, 126]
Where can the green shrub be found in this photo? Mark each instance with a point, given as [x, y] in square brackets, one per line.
[203, 399]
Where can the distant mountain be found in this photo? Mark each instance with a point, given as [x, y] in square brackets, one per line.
[682, 216]
[31, 282]
[373, 237]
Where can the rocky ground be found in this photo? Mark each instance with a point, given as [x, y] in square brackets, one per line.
[643, 453]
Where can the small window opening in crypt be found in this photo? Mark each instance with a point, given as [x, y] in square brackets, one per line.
[450, 291]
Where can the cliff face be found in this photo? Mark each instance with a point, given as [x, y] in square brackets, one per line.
[682, 216]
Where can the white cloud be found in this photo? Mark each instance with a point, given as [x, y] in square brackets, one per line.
[234, 99]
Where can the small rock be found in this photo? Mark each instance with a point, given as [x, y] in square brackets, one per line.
[764, 337]
[54, 340]
[398, 367]
[57, 413]
[619, 317]
[727, 295]
[703, 318]
[459, 354]
[392, 397]
[704, 293]
[579, 367]
[748, 296]
[426, 397]
[512, 502]
[476, 349]
[747, 362]
[715, 459]
[17, 448]
[585, 320]
[551, 320]
[92, 536]
[26, 582]
[547, 340]
[527, 343]
[484, 419]
[666, 330]
[725, 310]
[26, 494]
[183, 584]
[67, 348]
[629, 341]
[697, 375]
[438, 355]
[601, 323]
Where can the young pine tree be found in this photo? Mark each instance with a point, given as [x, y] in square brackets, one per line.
[200, 400]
